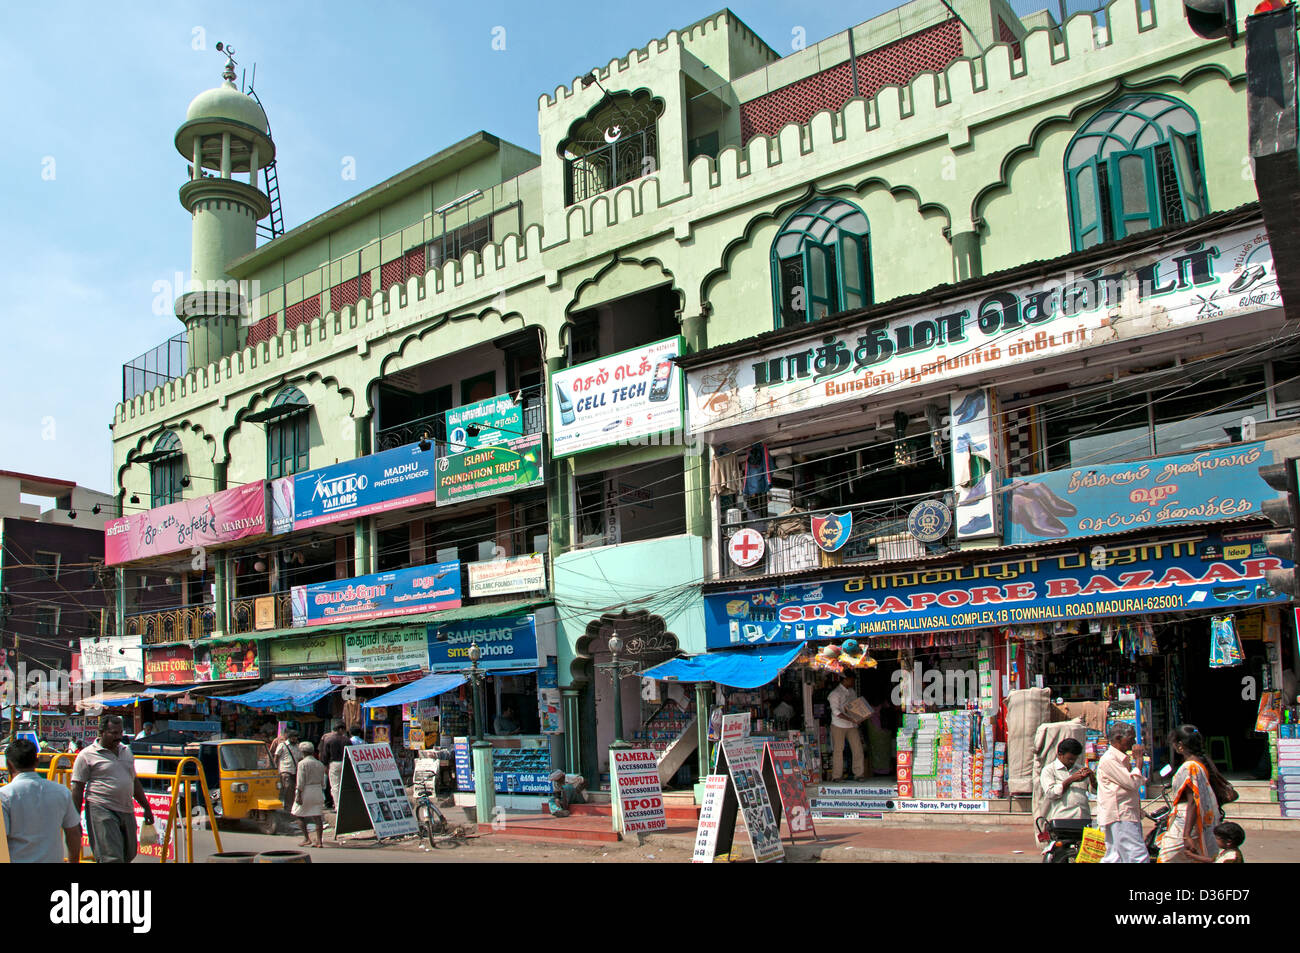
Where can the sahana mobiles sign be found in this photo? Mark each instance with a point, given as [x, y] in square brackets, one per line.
[1225, 275]
[378, 596]
[625, 396]
[1203, 572]
[1192, 488]
[225, 517]
[390, 480]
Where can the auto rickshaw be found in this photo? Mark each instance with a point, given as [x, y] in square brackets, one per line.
[241, 779]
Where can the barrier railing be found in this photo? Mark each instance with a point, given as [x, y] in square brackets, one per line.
[188, 773]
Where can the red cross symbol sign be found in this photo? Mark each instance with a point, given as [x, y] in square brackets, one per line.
[746, 548]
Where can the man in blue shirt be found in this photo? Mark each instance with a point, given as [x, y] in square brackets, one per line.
[40, 819]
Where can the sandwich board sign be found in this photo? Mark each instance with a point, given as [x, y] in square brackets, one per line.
[706, 834]
[373, 796]
[744, 793]
[785, 788]
[638, 796]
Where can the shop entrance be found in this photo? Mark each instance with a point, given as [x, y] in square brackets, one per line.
[1212, 701]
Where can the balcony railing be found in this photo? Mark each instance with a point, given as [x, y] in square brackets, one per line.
[243, 613]
[879, 534]
[166, 362]
[178, 624]
[433, 427]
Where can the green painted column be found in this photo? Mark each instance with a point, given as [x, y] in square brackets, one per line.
[221, 607]
[362, 557]
[558, 490]
[702, 693]
[966, 258]
[695, 459]
[119, 614]
[572, 731]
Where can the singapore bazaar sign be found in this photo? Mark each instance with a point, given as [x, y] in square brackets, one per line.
[1199, 572]
[1228, 274]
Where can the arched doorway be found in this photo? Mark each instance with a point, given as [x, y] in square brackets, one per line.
[646, 641]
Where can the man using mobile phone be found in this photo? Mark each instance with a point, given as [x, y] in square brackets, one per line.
[1065, 787]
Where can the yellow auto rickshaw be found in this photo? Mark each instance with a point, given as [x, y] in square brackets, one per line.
[241, 780]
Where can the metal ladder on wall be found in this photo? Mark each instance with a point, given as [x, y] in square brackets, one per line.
[275, 228]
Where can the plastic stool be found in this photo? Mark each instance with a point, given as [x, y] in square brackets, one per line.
[1225, 758]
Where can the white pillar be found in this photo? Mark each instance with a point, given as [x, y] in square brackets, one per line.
[198, 157]
[225, 155]
[252, 167]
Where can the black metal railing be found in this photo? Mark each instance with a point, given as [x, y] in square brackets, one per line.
[610, 166]
[433, 427]
[163, 363]
[879, 534]
[176, 624]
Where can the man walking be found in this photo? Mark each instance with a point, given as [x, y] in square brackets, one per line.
[331, 755]
[285, 754]
[1119, 801]
[103, 777]
[40, 819]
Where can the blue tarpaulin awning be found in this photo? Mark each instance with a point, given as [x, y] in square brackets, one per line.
[289, 694]
[419, 690]
[747, 667]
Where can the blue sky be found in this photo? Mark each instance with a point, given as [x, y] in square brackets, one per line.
[89, 218]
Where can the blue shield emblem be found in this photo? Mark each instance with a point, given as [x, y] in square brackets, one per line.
[831, 532]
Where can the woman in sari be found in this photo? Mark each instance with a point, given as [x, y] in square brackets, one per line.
[1196, 808]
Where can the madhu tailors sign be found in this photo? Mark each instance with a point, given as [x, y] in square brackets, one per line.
[390, 480]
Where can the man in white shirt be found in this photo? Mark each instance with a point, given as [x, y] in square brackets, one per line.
[40, 820]
[1065, 790]
[842, 728]
[1119, 801]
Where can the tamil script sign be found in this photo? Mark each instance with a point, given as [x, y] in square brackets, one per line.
[495, 577]
[1192, 488]
[378, 596]
[625, 396]
[385, 650]
[391, 480]
[225, 517]
[485, 423]
[1199, 572]
[1227, 275]
[304, 658]
[504, 643]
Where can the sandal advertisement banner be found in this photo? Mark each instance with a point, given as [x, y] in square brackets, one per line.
[1223, 572]
[1166, 491]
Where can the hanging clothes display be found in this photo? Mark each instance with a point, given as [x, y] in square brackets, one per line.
[726, 472]
[758, 470]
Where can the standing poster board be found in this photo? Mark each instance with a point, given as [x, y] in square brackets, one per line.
[161, 805]
[373, 796]
[741, 761]
[638, 797]
[710, 824]
[785, 787]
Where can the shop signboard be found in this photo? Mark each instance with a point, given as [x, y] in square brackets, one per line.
[383, 650]
[638, 795]
[505, 643]
[373, 796]
[487, 471]
[118, 657]
[173, 665]
[485, 423]
[379, 596]
[1197, 572]
[282, 506]
[306, 657]
[229, 662]
[1203, 487]
[785, 780]
[741, 760]
[496, 577]
[1227, 275]
[264, 613]
[706, 831]
[621, 398]
[206, 521]
[464, 764]
[390, 480]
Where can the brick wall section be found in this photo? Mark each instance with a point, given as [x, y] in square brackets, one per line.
[896, 64]
[1008, 35]
[263, 330]
[302, 312]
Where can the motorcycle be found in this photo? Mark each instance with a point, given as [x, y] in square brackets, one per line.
[1061, 839]
[1160, 817]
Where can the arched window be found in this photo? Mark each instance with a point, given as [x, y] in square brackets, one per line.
[166, 470]
[617, 142]
[821, 262]
[1134, 166]
[287, 422]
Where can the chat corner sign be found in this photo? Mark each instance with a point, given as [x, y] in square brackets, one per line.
[622, 398]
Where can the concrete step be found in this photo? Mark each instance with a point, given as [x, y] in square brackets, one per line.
[574, 829]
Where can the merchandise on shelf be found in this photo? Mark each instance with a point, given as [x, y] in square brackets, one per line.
[663, 728]
[519, 765]
[949, 755]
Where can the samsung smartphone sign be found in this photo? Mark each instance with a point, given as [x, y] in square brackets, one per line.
[617, 399]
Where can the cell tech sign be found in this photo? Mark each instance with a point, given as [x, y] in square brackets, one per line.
[391, 480]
